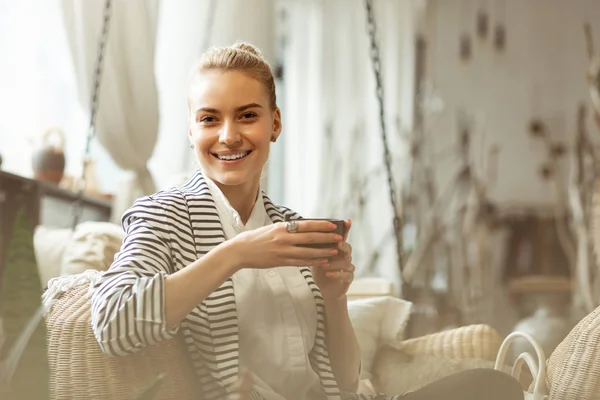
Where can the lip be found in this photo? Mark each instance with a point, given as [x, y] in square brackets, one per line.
[228, 153]
[231, 162]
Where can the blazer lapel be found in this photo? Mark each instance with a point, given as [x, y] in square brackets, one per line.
[219, 307]
[319, 355]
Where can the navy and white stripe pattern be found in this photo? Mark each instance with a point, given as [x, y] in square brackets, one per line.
[164, 233]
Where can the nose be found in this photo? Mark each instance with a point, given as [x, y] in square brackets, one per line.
[229, 135]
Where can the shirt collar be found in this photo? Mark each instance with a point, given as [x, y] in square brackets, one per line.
[258, 216]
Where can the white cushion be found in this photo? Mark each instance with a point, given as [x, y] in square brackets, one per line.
[49, 245]
[368, 287]
[92, 246]
[377, 322]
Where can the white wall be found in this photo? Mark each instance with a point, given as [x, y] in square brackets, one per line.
[540, 74]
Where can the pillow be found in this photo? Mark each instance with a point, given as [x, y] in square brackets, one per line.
[49, 245]
[369, 287]
[378, 322]
[93, 246]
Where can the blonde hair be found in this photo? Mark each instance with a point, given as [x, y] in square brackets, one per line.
[242, 57]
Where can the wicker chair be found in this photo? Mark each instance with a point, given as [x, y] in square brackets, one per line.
[573, 369]
[79, 369]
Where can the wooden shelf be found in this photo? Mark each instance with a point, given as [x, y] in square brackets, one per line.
[540, 284]
[46, 188]
[43, 203]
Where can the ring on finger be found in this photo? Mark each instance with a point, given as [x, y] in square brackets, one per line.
[291, 227]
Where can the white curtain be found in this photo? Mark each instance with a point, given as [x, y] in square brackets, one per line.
[127, 119]
[334, 155]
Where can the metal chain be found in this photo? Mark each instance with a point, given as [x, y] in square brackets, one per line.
[376, 62]
[93, 109]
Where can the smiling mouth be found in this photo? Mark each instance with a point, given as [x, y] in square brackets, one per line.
[232, 157]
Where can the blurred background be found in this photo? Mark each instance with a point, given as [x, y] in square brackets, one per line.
[490, 111]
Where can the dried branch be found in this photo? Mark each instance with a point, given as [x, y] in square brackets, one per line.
[589, 39]
[593, 73]
[469, 223]
[551, 171]
[415, 260]
[579, 215]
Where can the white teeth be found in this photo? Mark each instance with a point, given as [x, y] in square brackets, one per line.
[232, 156]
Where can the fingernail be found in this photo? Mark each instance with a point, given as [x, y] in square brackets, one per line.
[324, 261]
[338, 238]
[331, 274]
[332, 226]
[333, 252]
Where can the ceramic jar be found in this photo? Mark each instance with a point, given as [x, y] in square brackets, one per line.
[48, 161]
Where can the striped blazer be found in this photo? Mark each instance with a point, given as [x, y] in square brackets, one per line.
[164, 233]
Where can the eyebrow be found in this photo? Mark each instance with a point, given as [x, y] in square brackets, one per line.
[237, 109]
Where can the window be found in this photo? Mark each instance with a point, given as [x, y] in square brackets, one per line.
[38, 90]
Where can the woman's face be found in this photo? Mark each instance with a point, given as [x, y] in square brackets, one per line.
[231, 126]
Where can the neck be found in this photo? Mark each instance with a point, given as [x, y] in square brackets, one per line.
[241, 197]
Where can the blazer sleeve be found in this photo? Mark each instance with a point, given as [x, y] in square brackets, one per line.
[128, 302]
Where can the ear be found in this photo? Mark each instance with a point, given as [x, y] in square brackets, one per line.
[276, 123]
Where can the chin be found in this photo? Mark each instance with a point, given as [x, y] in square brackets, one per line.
[233, 178]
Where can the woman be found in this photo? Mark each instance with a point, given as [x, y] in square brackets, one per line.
[215, 260]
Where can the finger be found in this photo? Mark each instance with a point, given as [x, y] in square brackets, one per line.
[333, 266]
[245, 385]
[347, 226]
[344, 256]
[345, 248]
[343, 276]
[312, 225]
[300, 252]
[304, 262]
[340, 262]
[314, 238]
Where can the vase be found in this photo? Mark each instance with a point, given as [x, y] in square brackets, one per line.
[48, 161]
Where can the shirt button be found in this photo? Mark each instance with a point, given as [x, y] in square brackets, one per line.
[271, 273]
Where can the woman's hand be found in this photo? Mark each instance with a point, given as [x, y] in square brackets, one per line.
[244, 386]
[273, 246]
[334, 278]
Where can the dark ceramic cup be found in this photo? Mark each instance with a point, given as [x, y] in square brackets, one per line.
[340, 228]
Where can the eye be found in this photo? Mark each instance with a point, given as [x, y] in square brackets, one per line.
[207, 119]
[248, 115]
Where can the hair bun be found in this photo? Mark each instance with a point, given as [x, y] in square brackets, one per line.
[248, 48]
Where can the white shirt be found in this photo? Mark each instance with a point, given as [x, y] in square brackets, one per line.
[277, 316]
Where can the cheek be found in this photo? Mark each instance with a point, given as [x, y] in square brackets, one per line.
[203, 140]
[263, 134]
[264, 145]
